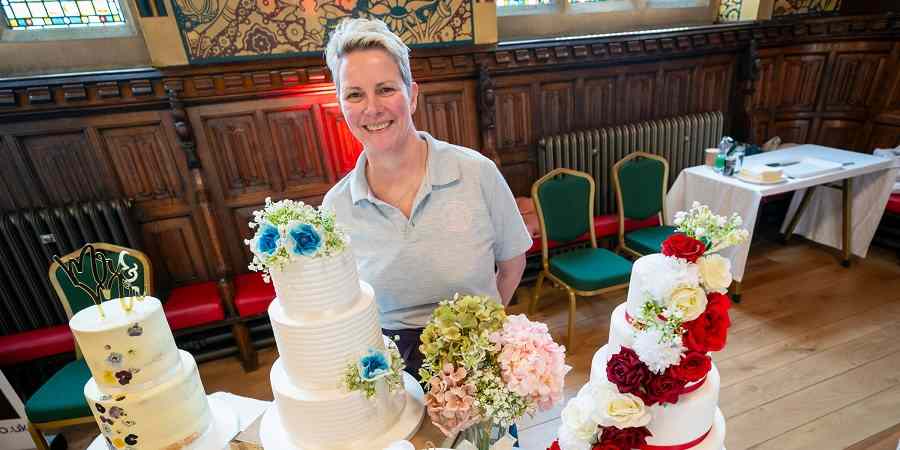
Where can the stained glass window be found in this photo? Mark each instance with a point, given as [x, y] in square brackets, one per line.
[42, 14]
[520, 3]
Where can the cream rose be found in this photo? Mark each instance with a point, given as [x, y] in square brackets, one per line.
[621, 410]
[715, 272]
[576, 417]
[691, 301]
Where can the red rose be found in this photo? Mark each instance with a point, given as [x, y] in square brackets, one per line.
[693, 367]
[664, 389]
[625, 438]
[627, 371]
[683, 246]
[554, 446]
[708, 332]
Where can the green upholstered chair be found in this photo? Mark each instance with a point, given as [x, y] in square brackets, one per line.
[60, 401]
[564, 200]
[640, 180]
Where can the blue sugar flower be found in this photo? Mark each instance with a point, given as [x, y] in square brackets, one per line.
[266, 241]
[305, 240]
[374, 365]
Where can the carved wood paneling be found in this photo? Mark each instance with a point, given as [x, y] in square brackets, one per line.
[883, 136]
[713, 87]
[144, 163]
[342, 146]
[800, 76]
[174, 247]
[296, 144]
[67, 167]
[242, 217]
[514, 116]
[519, 176]
[638, 97]
[854, 81]
[238, 153]
[676, 92]
[844, 134]
[795, 131]
[447, 111]
[766, 86]
[557, 107]
[600, 101]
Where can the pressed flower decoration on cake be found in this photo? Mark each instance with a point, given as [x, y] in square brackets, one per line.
[289, 230]
[683, 317]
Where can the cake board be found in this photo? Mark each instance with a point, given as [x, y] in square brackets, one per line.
[222, 429]
[273, 435]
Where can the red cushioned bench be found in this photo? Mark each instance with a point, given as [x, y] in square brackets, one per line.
[194, 305]
[35, 344]
[252, 294]
[893, 204]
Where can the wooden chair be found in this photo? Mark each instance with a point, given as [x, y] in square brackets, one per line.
[564, 200]
[640, 180]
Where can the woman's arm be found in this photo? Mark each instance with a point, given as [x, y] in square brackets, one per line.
[509, 273]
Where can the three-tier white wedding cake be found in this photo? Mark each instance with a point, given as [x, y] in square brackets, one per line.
[325, 323]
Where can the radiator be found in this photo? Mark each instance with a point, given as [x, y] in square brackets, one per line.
[27, 241]
[681, 140]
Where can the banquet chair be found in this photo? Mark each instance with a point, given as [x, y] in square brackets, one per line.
[564, 200]
[640, 180]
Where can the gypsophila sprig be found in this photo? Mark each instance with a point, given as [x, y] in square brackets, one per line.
[496, 401]
[716, 232]
[289, 230]
[363, 375]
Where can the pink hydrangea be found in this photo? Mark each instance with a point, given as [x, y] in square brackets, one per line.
[451, 400]
[531, 364]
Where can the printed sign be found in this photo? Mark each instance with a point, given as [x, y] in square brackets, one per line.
[13, 426]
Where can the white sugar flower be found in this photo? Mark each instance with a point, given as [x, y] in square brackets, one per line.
[576, 417]
[657, 353]
[715, 273]
[569, 441]
[614, 408]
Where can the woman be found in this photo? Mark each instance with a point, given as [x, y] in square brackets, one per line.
[427, 219]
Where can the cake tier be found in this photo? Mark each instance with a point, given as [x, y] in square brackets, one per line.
[688, 419]
[333, 419]
[316, 286]
[173, 414]
[656, 275]
[126, 349]
[316, 350]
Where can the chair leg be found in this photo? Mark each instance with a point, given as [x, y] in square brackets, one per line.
[40, 442]
[532, 305]
[571, 339]
[249, 358]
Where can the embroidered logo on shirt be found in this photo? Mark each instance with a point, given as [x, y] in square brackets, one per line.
[457, 216]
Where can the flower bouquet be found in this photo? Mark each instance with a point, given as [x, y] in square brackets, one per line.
[483, 367]
[289, 230]
[683, 317]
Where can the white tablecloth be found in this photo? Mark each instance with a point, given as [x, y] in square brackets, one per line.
[873, 178]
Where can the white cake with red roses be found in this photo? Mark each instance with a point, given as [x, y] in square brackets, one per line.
[654, 385]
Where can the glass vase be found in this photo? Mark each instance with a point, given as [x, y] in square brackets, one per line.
[483, 435]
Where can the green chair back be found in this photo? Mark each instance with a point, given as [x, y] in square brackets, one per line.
[564, 199]
[642, 182]
[90, 269]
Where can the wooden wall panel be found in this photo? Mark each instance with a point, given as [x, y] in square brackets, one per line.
[144, 163]
[447, 111]
[767, 86]
[791, 131]
[799, 81]
[239, 154]
[675, 93]
[638, 97]
[713, 87]
[884, 136]
[174, 247]
[600, 101]
[342, 147]
[844, 134]
[854, 81]
[297, 148]
[67, 167]
[514, 116]
[556, 110]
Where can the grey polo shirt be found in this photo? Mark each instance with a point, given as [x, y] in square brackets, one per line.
[464, 218]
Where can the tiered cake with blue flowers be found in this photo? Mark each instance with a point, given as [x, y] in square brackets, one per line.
[338, 384]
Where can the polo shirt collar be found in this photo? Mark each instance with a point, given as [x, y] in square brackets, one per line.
[441, 169]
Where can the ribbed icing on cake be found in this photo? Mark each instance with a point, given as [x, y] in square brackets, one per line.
[317, 286]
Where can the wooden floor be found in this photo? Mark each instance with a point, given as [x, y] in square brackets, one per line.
[812, 361]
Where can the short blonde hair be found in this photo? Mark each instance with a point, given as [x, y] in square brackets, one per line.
[362, 34]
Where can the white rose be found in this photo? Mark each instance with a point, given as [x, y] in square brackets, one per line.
[576, 418]
[623, 411]
[715, 272]
[690, 300]
[660, 274]
[569, 441]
